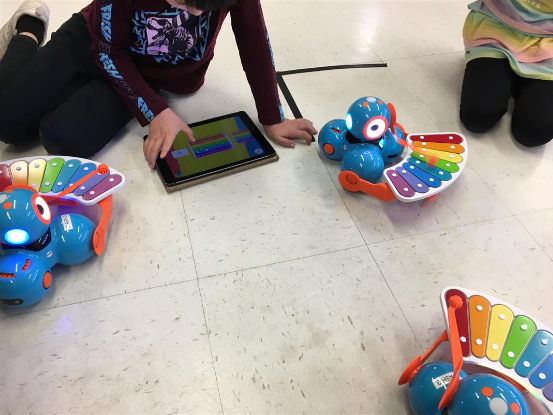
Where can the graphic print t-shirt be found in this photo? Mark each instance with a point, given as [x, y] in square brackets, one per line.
[140, 44]
[168, 36]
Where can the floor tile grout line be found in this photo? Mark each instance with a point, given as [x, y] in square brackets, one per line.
[532, 236]
[509, 209]
[282, 262]
[473, 168]
[395, 299]
[491, 190]
[372, 256]
[440, 230]
[425, 56]
[341, 197]
[414, 97]
[361, 35]
[42, 310]
[210, 347]
[534, 211]
[181, 282]
[202, 302]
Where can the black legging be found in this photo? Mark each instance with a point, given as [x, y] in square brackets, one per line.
[58, 93]
[487, 87]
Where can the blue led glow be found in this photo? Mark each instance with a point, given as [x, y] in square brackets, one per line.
[16, 236]
[349, 121]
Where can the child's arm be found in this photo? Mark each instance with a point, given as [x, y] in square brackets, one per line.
[111, 38]
[256, 55]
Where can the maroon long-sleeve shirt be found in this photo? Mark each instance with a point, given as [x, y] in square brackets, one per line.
[144, 43]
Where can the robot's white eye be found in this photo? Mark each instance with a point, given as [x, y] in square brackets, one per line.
[16, 236]
[349, 121]
[375, 128]
[43, 208]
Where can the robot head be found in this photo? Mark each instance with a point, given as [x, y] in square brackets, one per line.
[24, 215]
[487, 395]
[428, 386]
[368, 118]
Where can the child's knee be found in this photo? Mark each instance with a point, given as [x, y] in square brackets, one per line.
[15, 131]
[480, 119]
[55, 139]
[532, 132]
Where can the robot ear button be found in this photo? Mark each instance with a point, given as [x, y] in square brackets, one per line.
[515, 408]
[47, 280]
[487, 391]
[328, 148]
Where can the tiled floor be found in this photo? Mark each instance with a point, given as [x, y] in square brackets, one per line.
[274, 290]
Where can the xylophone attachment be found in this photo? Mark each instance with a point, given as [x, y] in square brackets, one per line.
[503, 338]
[54, 177]
[433, 162]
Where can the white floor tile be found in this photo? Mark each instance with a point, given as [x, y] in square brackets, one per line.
[308, 336]
[281, 211]
[435, 82]
[306, 42]
[286, 9]
[497, 257]
[540, 226]
[430, 27]
[141, 353]
[519, 176]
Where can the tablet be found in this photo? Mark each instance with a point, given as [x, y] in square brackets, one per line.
[223, 145]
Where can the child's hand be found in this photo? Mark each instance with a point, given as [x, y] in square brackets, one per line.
[163, 130]
[288, 130]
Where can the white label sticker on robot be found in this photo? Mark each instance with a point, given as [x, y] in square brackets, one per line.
[442, 381]
[67, 223]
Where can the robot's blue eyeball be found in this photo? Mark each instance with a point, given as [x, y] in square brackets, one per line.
[16, 236]
[349, 121]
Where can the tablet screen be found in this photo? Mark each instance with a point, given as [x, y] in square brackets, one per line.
[218, 143]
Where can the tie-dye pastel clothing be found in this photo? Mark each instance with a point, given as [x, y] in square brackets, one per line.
[518, 30]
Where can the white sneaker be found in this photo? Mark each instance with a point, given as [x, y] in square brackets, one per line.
[34, 8]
